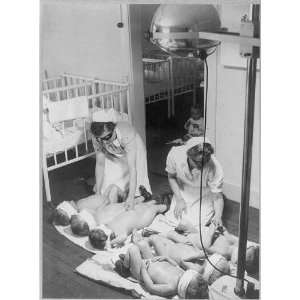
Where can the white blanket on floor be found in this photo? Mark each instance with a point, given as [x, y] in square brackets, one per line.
[101, 266]
[83, 241]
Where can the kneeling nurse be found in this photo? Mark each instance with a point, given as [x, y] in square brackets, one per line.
[120, 157]
[184, 164]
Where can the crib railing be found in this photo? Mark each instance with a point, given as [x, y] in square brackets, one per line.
[100, 94]
[177, 76]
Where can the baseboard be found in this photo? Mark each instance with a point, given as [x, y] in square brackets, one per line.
[233, 192]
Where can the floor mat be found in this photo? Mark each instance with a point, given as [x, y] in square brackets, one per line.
[101, 266]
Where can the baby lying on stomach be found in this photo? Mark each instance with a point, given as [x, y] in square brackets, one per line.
[109, 224]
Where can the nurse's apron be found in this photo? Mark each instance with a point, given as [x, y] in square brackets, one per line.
[116, 169]
[191, 196]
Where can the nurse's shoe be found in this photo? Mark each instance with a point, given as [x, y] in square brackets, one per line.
[144, 193]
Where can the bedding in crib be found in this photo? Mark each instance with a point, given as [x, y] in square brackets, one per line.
[56, 139]
[66, 123]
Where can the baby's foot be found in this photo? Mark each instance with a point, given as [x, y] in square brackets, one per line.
[146, 232]
[136, 237]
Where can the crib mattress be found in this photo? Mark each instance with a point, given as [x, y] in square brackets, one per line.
[62, 142]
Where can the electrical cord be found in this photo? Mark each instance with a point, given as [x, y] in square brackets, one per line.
[204, 56]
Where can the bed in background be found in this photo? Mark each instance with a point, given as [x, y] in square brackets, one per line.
[166, 77]
[68, 104]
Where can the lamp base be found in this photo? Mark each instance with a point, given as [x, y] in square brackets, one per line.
[224, 289]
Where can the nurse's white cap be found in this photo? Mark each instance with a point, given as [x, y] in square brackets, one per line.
[196, 141]
[102, 116]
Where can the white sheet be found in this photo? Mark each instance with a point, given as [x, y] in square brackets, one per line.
[68, 109]
[55, 140]
[100, 266]
[58, 141]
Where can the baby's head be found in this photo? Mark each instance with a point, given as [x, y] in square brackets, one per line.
[192, 286]
[79, 226]
[198, 288]
[252, 260]
[210, 273]
[60, 217]
[98, 238]
[195, 112]
[63, 212]
[200, 154]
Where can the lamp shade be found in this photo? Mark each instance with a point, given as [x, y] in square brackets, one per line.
[184, 18]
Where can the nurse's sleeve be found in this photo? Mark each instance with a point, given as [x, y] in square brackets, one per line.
[170, 163]
[216, 181]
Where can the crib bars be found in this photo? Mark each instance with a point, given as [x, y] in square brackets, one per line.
[100, 94]
[166, 77]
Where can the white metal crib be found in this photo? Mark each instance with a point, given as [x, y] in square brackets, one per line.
[166, 77]
[66, 135]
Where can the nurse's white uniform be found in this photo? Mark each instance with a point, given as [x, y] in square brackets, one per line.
[189, 184]
[116, 170]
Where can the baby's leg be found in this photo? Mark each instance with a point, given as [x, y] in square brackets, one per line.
[139, 200]
[114, 193]
[160, 244]
[92, 202]
[159, 208]
[133, 261]
[146, 214]
[230, 237]
[176, 237]
[145, 248]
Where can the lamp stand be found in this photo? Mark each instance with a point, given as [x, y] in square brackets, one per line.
[247, 160]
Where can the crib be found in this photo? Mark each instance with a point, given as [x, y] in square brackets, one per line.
[68, 103]
[166, 77]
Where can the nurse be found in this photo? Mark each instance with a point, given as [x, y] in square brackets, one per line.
[184, 164]
[120, 157]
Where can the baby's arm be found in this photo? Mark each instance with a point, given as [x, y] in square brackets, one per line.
[163, 290]
[192, 266]
[198, 255]
[165, 258]
[119, 241]
[176, 237]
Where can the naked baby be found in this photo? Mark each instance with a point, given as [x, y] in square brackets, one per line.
[185, 255]
[161, 275]
[115, 232]
[106, 221]
[219, 240]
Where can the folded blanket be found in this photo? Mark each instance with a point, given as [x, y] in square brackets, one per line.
[68, 109]
[101, 268]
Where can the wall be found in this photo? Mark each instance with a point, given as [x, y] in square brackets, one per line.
[226, 95]
[82, 38]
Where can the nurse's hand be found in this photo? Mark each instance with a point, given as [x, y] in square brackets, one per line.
[129, 204]
[217, 221]
[180, 207]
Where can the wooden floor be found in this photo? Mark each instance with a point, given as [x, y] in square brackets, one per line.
[61, 257]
